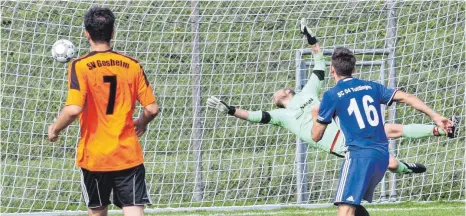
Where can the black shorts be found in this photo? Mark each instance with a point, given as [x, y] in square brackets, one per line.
[129, 187]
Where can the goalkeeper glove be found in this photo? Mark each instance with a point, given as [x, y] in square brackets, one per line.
[311, 39]
[221, 106]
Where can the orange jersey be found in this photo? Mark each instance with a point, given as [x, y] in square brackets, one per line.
[107, 84]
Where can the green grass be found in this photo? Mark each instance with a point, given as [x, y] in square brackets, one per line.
[404, 209]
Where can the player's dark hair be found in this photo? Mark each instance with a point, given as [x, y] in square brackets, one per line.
[99, 22]
[344, 61]
[280, 105]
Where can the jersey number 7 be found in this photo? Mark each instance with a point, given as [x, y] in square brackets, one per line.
[368, 109]
[111, 97]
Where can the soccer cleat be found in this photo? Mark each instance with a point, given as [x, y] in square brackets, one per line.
[361, 211]
[454, 131]
[304, 29]
[415, 167]
[311, 39]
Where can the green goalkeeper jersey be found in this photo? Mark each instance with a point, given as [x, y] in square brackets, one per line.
[297, 118]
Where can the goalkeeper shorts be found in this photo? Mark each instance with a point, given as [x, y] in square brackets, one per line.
[338, 147]
[129, 187]
[358, 179]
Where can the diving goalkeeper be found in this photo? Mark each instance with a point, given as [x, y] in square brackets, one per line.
[297, 110]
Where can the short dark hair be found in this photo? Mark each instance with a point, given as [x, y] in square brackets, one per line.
[99, 22]
[344, 61]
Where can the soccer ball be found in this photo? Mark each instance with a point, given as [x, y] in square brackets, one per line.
[63, 50]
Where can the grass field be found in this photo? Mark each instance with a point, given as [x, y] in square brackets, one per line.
[404, 209]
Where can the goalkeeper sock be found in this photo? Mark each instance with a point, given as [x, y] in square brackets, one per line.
[402, 168]
[420, 131]
[319, 62]
[311, 39]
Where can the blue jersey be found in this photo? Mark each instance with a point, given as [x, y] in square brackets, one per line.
[355, 104]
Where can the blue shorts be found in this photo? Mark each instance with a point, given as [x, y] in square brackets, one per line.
[358, 179]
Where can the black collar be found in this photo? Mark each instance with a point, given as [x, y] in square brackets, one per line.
[104, 51]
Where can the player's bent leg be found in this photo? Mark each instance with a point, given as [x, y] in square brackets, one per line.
[319, 61]
[416, 131]
[99, 211]
[393, 130]
[133, 210]
[397, 166]
[393, 163]
[311, 39]
[346, 209]
[420, 131]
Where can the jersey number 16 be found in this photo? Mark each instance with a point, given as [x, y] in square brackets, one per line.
[368, 109]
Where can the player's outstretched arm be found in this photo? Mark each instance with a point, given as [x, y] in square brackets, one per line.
[251, 116]
[224, 108]
[442, 122]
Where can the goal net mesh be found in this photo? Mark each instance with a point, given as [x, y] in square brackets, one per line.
[247, 51]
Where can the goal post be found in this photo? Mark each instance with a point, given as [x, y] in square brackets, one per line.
[241, 52]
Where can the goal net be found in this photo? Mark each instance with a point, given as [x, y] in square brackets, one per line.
[242, 52]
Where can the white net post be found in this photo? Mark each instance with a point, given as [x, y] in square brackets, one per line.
[196, 136]
[390, 41]
[301, 146]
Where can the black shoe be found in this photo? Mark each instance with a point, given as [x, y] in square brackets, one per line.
[454, 131]
[311, 39]
[361, 211]
[415, 167]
